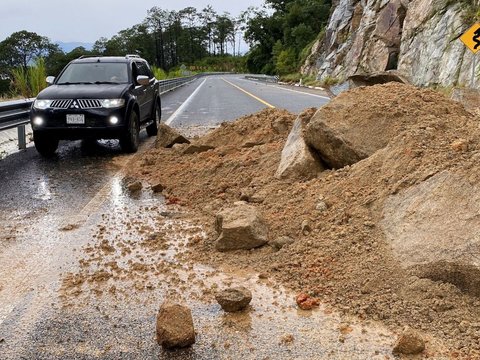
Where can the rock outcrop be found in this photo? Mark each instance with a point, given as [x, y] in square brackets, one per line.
[419, 38]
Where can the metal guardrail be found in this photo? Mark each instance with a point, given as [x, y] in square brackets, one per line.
[15, 114]
[263, 78]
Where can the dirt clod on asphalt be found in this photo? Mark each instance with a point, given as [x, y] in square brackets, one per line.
[345, 260]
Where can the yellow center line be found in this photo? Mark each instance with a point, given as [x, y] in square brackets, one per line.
[249, 94]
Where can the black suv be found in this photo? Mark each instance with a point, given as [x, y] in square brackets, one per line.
[97, 98]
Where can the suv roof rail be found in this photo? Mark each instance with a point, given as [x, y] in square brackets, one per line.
[132, 56]
[88, 56]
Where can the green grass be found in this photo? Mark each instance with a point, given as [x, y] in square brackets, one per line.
[29, 82]
[307, 80]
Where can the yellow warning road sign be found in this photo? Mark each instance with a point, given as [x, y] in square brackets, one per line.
[471, 38]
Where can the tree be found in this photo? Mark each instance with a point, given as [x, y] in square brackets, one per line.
[224, 32]
[291, 27]
[23, 48]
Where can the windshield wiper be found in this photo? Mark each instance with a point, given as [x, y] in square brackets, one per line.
[106, 83]
[75, 83]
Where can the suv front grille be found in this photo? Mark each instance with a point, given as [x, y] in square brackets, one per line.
[79, 104]
[89, 103]
[61, 104]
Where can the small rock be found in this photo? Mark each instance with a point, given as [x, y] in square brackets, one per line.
[179, 147]
[369, 224]
[196, 149]
[158, 188]
[321, 206]
[246, 194]
[281, 125]
[460, 145]
[306, 302]
[287, 339]
[175, 325]
[135, 186]
[409, 342]
[167, 137]
[306, 228]
[263, 276]
[251, 144]
[240, 228]
[234, 299]
[279, 243]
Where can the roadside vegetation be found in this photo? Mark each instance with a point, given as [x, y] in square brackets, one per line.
[280, 35]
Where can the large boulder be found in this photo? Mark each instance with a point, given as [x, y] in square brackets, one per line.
[167, 137]
[175, 325]
[240, 228]
[359, 122]
[434, 229]
[298, 160]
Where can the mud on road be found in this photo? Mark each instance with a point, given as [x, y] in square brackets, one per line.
[86, 264]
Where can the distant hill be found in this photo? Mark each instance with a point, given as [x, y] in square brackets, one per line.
[69, 46]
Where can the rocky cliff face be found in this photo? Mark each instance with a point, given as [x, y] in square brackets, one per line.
[419, 38]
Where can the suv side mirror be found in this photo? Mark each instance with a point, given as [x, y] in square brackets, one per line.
[143, 80]
[50, 80]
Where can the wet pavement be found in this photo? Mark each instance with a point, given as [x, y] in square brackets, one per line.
[84, 266]
[95, 290]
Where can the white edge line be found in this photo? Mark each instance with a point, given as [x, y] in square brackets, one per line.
[185, 103]
[301, 92]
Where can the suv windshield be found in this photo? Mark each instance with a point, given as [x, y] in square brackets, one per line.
[94, 73]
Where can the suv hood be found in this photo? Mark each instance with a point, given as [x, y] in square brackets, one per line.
[87, 91]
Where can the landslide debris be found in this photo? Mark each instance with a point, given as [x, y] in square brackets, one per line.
[342, 221]
[364, 120]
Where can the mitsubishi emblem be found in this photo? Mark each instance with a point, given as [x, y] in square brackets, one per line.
[74, 105]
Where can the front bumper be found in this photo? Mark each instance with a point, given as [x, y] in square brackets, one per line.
[97, 123]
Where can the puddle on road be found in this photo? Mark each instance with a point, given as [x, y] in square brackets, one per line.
[133, 263]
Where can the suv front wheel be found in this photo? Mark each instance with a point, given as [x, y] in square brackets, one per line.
[45, 144]
[129, 142]
[152, 129]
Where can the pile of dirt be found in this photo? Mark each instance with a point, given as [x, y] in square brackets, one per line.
[341, 253]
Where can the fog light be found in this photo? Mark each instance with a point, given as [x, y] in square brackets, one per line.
[114, 120]
[38, 121]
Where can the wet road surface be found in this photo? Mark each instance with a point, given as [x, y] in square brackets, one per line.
[81, 276]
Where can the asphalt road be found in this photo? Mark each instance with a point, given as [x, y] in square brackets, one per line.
[214, 99]
[51, 209]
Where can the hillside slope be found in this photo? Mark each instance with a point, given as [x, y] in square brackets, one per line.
[419, 38]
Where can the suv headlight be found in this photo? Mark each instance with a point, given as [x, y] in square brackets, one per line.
[112, 103]
[42, 104]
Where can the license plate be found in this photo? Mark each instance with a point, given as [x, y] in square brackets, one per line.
[77, 119]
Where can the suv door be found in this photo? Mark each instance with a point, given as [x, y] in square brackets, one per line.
[146, 107]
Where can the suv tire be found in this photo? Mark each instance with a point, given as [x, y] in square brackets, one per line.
[45, 144]
[152, 130]
[129, 142]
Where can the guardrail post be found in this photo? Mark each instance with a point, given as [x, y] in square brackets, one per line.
[22, 137]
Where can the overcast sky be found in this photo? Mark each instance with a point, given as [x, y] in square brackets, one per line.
[88, 20]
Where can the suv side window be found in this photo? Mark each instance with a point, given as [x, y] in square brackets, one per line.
[144, 69]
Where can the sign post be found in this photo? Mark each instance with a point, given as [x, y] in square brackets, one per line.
[471, 39]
